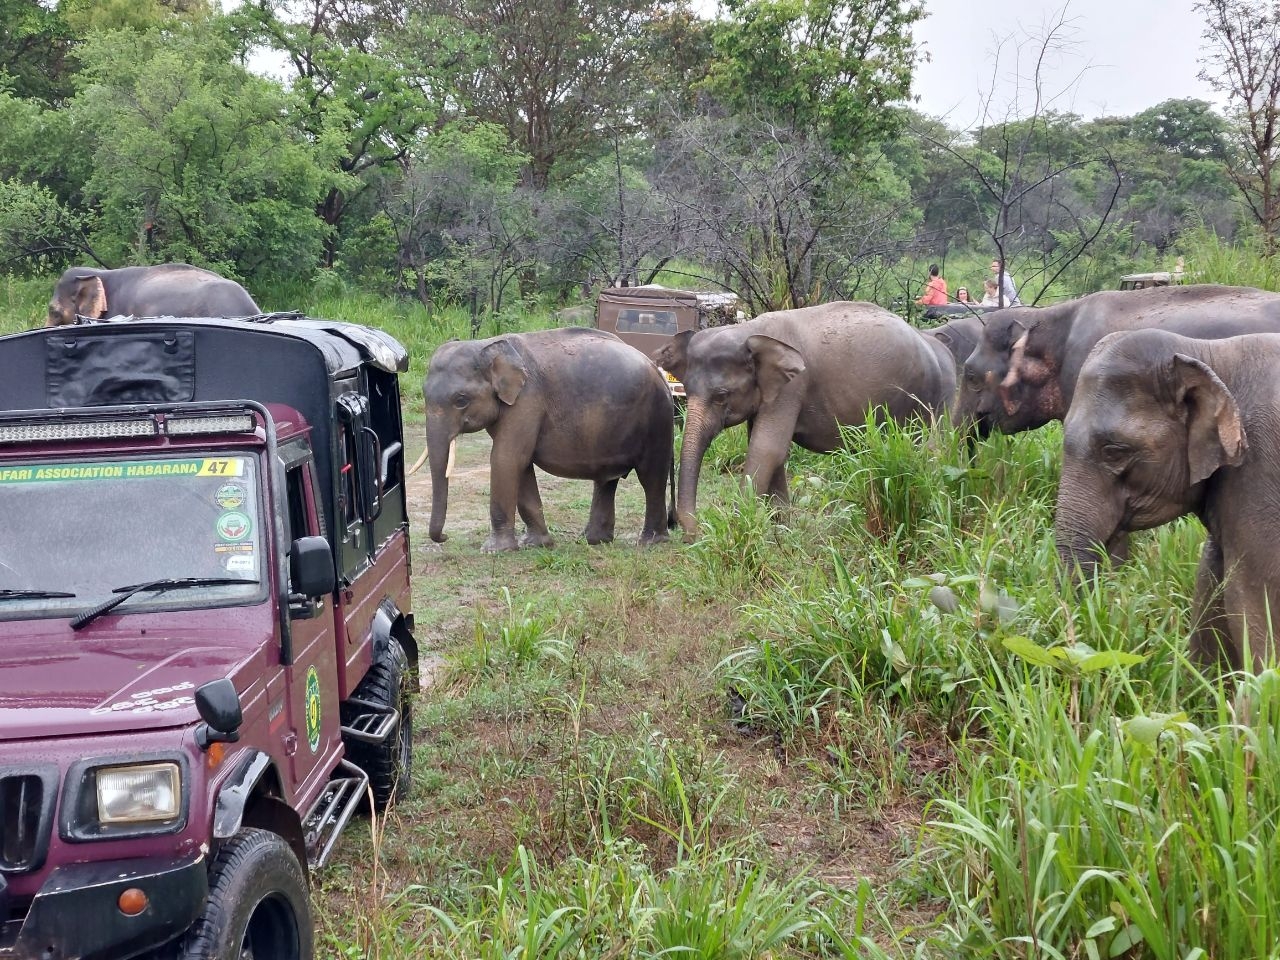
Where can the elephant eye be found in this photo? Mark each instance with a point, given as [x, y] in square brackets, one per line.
[461, 400]
[1115, 453]
[719, 393]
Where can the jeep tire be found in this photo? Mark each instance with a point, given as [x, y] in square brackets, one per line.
[258, 907]
[389, 764]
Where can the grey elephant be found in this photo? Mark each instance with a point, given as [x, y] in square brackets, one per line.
[167, 289]
[575, 402]
[1022, 374]
[799, 375]
[1161, 426]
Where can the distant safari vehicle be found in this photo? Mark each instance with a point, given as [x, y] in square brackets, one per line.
[647, 317]
[1140, 281]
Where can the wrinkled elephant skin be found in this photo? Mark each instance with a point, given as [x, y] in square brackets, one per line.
[1161, 426]
[799, 375]
[574, 402]
[167, 289]
[1022, 374]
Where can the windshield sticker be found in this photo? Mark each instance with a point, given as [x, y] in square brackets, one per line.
[313, 709]
[125, 470]
[240, 563]
[230, 496]
[233, 526]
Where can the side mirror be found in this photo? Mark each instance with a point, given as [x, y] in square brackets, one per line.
[219, 707]
[311, 570]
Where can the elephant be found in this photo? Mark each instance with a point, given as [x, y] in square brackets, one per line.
[799, 375]
[575, 402]
[167, 289]
[1023, 372]
[1164, 425]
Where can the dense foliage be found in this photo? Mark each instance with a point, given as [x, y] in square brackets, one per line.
[489, 153]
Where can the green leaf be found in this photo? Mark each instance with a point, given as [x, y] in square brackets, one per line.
[1143, 730]
[1105, 925]
[1031, 651]
[1108, 659]
[1126, 940]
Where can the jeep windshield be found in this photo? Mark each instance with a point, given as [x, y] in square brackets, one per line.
[76, 529]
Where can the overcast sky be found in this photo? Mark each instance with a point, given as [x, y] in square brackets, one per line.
[1128, 55]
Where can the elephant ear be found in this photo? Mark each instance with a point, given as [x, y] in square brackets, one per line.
[90, 296]
[673, 356]
[777, 364]
[1215, 431]
[507, 372]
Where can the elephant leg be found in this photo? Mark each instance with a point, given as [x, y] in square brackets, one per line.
[1211, 646]
[505, 476]
[600, 522]
[530, 505]
[767, 450]
[653, 480]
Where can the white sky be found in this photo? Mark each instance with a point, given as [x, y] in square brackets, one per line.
[1127, 54]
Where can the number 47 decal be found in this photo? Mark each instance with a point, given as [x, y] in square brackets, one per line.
[232, 467]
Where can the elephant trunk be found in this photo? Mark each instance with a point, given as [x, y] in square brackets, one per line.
[699, 431]
[439, 438]
[1087, 525]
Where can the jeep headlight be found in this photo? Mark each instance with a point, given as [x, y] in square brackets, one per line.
[145, 793]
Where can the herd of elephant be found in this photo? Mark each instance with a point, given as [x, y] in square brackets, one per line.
[1170, 397]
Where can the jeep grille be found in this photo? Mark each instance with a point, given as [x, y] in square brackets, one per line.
[26, 807]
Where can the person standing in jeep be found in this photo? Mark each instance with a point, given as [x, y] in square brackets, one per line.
[206, 647]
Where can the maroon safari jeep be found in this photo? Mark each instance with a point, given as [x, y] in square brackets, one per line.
[206, 649]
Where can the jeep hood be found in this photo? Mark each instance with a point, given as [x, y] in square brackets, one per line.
[106, 683]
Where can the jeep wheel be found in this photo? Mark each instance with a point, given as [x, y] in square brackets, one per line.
[389, 764]
[258, 908]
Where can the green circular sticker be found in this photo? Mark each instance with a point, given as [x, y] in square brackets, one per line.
[313, 709]
[233, 526]
[230, 496]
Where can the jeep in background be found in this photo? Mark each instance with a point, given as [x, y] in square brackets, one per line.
[1140, 281]
[648, 316]
[206, 647]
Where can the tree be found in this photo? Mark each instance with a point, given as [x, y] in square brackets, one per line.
[34, 42]
[560, 76]
[835, 67]
[1244, 63]
[1032, 168]
[194, 158]
[1189, 128]
[779, 215]
[353, 87]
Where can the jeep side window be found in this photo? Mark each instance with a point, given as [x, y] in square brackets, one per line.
[299, 518]
[347, 473]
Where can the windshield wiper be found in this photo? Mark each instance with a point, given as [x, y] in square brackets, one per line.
[33, 594]
[125, 593]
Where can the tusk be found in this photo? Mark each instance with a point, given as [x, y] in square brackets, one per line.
[448, 470]
[418, 465]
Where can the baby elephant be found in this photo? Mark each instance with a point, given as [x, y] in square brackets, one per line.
[1160, 426]
[576, 402]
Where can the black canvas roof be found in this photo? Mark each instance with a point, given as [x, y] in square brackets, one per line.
[280, 359]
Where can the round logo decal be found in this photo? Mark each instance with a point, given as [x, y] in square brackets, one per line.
[233, 526]
[230, 496]
[313, 709]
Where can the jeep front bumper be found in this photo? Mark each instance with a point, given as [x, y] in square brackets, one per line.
[75, 914]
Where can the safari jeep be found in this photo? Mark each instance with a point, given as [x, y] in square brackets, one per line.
[647, 317]
[206, 648]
